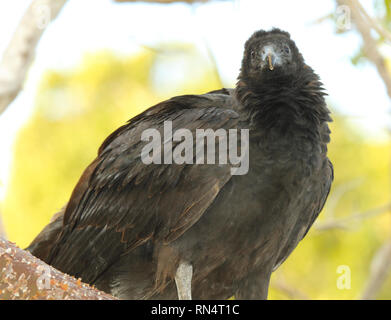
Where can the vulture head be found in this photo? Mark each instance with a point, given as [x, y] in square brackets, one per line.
[270, 55]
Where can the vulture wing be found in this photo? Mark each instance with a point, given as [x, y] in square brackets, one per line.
[120, 203]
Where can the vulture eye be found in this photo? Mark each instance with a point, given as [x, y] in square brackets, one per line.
[252, 54]
[287, 49]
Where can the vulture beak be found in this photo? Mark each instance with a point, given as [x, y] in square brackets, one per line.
[271, 59]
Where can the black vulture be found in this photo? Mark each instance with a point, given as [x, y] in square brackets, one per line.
[197, 230]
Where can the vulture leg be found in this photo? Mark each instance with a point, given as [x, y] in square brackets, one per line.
[183, 277]
[254, 286]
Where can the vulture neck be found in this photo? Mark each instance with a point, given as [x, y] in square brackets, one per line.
[296, 98]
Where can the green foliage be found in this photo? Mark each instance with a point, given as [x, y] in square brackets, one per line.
[76, 109]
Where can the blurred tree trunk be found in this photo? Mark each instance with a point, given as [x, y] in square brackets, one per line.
[19, 54]
[2, 230]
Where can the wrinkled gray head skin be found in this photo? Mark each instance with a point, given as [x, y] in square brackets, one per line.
[270, 54]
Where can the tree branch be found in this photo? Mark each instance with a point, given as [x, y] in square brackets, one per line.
[23, 276]
[374, 24]
[289, 291]
[369, 43]
[379, 271]
[343, 223]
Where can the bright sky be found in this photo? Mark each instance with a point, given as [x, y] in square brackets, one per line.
[89, 25]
